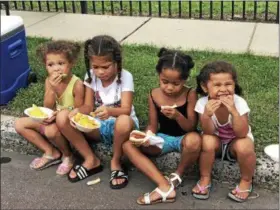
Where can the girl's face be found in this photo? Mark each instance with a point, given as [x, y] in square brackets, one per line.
[57, 63]
[104, 68]
[171, 82]
[219, 85]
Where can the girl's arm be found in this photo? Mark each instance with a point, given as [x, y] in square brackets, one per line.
[49, 96]
[207, 124]
[153, 118]
[189, 124]
[88, 105]
[126, 105]
[79, 93]
[240, 124]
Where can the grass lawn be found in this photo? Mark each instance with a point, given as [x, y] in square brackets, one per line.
[258, 76]
[164, 5]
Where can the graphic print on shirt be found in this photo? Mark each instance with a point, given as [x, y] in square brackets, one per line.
[98, 101]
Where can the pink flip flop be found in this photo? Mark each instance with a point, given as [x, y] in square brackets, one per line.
[65, 167]
[50, 161]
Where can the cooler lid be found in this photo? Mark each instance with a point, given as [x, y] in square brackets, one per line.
[10, 23]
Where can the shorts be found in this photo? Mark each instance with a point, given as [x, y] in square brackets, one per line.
[171, 143]
[225, 153]
[107, 130]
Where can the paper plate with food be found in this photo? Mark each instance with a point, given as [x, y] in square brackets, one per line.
[85, 123]
[38, 114]
[139, 138]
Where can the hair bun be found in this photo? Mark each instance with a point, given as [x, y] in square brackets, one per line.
[162, 52]
[189, 61]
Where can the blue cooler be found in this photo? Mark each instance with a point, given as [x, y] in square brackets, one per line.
[14, 59]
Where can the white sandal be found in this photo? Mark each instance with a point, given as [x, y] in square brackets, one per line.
[175, 177]
[164, 197]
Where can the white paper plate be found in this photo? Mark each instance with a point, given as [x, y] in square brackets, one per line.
[48, 111]
[272, 151]
[85, 129]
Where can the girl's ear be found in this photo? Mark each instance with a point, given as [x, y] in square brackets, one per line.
[204, 87]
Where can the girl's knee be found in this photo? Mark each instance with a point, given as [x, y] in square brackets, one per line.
[243, 147]
[124, 124]
[209, 143]
[126, 146]
[20, 124]
[52, 132]
[192, 142]
[62, 118]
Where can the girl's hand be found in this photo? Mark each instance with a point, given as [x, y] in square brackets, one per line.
[102, 113]
[54, 79]
[229, 103]
[72, 114]
[50, 119]
[211, 107]
[171, 113]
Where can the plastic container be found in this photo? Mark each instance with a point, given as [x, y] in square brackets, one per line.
[272, 151]
[14, 67]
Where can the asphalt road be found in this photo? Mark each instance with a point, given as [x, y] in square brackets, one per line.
[22, 188]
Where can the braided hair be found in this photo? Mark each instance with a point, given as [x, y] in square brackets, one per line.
[216, 67]
[103, 45]
[175, 60]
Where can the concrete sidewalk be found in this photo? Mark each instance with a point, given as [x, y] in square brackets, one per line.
[225, 36]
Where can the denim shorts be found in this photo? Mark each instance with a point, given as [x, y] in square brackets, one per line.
[107, 130]
[171, 143]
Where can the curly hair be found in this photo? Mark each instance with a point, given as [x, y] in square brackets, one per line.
[176, 60]
[69, 49]
[216, 67]
[103, 45]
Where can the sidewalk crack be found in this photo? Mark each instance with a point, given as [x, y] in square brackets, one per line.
[140, 26]
[251, 38]
[43, 19]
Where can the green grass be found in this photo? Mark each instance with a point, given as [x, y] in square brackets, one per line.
[227, 8]
[258, 76]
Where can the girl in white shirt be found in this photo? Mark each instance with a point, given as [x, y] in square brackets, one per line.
[224, 121]
[109, 92]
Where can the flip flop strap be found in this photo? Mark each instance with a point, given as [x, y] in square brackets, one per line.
[48, 157]
[81, 171]
[202, 188]
[237, 189]
[175, 177]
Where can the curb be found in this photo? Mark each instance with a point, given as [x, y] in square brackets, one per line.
[266, 174]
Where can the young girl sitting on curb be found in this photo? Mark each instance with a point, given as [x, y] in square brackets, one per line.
[177, 126]
[109, 91]
[223, 116]
[63, 90]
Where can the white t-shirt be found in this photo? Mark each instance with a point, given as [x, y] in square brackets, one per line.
[111, 95]
[225, 131]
